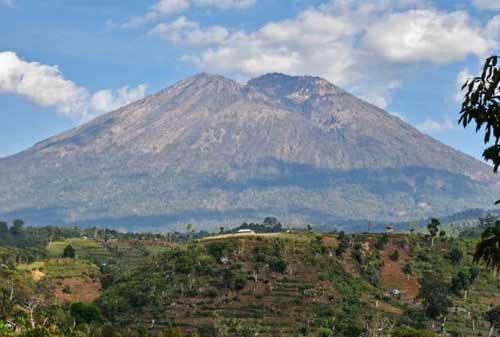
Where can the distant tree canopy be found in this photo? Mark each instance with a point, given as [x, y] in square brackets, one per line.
[17, 227]
[269, 225]
[481, 105]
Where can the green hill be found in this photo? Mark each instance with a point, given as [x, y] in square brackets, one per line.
[276, 284]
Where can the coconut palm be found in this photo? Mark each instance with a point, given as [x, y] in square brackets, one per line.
[488, 249]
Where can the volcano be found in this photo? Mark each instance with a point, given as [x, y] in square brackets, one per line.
[213, 152]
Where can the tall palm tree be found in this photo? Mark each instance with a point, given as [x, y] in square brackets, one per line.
[488, 249]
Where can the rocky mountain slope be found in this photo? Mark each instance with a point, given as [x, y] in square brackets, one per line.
[211, 151]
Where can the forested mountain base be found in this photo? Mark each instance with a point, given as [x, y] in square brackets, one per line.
[71, 282]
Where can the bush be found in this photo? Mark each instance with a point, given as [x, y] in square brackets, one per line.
[382, 241]
[409, 332]
[234, 280]
[109, 331]
[343, 244]
[394, 255]
[84, 312]
[456, 255]
[218, 249]
[69, 252]
[37, 332]
[278, 265]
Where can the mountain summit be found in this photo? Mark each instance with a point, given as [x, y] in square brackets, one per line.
[211, 151]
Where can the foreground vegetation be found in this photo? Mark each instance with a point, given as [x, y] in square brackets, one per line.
[74, 282]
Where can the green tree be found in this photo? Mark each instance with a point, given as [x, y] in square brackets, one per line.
[488, 249]
[17, 228]
[433, 293]
[394, 255]
[481, 105]
[69, 252]
[5, 235]
[456, 255]
[433, 228]
[474, 274]
[343, 244]
[84, 312]
[493, 317]
[408, 270]
[460, 282]
[189, 231]
[272, 223]
[278, 265]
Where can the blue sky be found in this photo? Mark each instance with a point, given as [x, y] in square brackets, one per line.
[64, 62]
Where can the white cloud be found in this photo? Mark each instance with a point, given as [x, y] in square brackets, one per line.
[492, 29]
[225, 4]
[369, 47]
[462, 77]
[313, 43]
[45, 86]
[109, 100]
[169, 7]
[188, 32]
[426, 35]
[435, 126]
[9, 3]
[487, 4]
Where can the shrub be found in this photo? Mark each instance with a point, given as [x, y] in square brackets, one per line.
[343, 244]
[394, 255]
[456, 255]
[69, 252]
[382, 241]
[218, 249]
[84, 312]
[234, 280]
[409, 332]
[37, 332]
[278, 265]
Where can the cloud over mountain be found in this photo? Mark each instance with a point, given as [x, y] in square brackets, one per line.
[370, 47]
[46, 86]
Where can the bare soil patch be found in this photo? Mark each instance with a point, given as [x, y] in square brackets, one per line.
[80, 290]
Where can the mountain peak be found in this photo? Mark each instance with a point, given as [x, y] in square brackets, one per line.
[297, 87]
[203, 79]
[211, 150]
